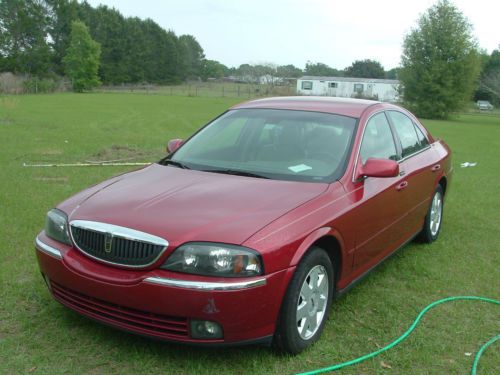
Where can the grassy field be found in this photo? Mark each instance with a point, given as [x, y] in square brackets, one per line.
[37, 335]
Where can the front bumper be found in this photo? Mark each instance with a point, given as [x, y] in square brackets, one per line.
[158, 303]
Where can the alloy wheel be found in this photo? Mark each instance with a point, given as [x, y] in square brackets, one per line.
[312, 302]
[436, 212]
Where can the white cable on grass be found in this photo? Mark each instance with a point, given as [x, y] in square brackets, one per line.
[84, 165]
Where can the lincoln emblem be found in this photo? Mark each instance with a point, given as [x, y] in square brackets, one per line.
[108, 242]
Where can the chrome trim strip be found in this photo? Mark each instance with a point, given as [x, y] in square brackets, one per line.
[118, 231]
[121, 232]
[415, 153]
[48, 249]
[199, 285]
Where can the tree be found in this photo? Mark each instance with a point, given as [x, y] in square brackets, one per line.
[289, 71]
[82, 58]
[489, 83]
[107, 27]
[392, 73]
[63, 13]
[439, 62]
[132, 50]
[212, 69]
[191, 56]
[24, 28]
[320, 69]
[265, 73]
[365, 69]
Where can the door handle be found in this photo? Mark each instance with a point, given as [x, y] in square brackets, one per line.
[402, 185]
[436, 168]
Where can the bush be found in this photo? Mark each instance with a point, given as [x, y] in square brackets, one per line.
[34, 85]
[24, 84]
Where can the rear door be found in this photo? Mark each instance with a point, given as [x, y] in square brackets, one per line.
[418, 167]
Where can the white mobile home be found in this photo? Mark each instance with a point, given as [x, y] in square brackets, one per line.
[385, 90]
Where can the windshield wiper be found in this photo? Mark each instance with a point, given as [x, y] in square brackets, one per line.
[175, 163]
[236, 173]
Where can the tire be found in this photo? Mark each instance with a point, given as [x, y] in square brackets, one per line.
[306, 304]
[434, 217]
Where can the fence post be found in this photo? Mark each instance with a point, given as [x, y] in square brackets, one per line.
[222, 90]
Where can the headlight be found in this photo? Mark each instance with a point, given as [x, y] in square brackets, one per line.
[56, 226]
[212, 259]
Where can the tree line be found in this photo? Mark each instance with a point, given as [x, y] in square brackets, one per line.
[441, 66]
[36, 34]
[35, 37]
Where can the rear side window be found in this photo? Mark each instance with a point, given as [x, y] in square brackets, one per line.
[377, 140]
[421, 137]
[406, 132]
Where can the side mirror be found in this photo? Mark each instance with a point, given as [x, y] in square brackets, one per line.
[174, 144]
[378, 168]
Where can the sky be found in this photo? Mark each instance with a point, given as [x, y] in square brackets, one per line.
[334, 32]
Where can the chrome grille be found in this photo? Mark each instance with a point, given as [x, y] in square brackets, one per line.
[116, 245]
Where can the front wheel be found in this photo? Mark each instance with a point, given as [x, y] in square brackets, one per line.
[434, 217]
[306, 304]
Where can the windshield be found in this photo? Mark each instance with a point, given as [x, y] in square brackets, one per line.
[271, 143]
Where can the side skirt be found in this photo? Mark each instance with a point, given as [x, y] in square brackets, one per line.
[341, 292]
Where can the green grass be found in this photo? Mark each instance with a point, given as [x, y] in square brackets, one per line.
[37, 335]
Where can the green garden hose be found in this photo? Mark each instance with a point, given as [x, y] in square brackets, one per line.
[407, 333]
[480, 352]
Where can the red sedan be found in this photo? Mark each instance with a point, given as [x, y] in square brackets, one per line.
[246, 232]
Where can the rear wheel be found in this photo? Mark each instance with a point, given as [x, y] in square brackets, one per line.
[306, 304]
[434, 217]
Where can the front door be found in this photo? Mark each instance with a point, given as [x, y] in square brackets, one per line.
[379, 210]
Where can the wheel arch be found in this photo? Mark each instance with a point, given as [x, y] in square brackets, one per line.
[329, 240]
[443, 182]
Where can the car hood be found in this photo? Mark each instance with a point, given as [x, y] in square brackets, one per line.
[186, 205]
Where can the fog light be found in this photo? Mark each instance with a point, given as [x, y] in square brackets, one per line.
[205, 329]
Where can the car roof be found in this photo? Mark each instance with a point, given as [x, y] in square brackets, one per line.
[341, 106]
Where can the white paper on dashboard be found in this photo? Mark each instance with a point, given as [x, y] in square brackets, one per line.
[299, 168]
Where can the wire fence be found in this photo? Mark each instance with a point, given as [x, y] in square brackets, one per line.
[212, 89]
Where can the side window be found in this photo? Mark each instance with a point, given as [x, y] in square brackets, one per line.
[421, 137]
[377, 140]
[406, 132]
[358, 87]
[307, 85]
